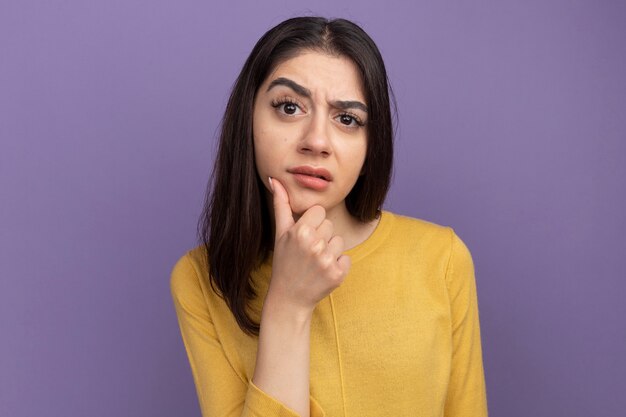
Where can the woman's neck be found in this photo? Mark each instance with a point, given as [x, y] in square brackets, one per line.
[352, 230]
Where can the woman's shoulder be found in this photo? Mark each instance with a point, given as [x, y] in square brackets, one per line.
[407, 227]
[429, 235]
[433, 243]
[189, 271]
[411, 221]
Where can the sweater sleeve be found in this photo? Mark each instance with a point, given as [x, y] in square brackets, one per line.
[221, 391]
[466, 396]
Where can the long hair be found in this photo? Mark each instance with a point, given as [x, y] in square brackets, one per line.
[235, 225]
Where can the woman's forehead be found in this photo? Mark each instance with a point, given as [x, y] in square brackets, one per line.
[321, 73]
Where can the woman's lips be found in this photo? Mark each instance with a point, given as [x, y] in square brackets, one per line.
[308, 181]
[311, 177]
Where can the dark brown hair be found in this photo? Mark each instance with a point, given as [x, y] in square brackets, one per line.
[235, 225]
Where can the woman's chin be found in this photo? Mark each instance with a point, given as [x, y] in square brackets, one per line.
[300, 202]
[300, 207]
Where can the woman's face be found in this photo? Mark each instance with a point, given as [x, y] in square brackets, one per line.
[309, 129]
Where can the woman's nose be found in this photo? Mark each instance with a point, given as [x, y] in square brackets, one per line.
[315, 139]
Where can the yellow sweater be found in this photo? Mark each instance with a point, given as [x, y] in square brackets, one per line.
[400, 337]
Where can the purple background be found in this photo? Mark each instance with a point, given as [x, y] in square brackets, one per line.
[512, 130]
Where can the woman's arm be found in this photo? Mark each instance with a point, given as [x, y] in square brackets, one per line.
[283, 356]
[308, 265]
[466, 390]
[222, 392]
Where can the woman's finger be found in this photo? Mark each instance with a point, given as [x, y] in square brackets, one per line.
[325, 230]
[335, 246]
[344, 263]
[282, 210]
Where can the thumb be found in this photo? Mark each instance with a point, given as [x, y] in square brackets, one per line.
[283, 218]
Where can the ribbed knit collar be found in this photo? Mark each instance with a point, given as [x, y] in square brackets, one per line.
[357, 253]
[377, 237]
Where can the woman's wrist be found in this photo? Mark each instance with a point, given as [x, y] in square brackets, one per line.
[276, 309]
[283, 355]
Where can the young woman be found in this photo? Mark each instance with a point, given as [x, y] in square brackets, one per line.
[305, 299]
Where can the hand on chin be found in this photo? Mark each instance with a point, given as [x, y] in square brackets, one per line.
[300, 207]
[300, 202]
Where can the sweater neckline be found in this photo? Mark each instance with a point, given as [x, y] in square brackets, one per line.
[374, 240]
[359, 251]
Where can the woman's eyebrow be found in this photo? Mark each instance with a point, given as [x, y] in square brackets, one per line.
[300, 90]
[345, 105]
[305, 92]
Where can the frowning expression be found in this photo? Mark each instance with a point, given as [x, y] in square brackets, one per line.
[309, 128]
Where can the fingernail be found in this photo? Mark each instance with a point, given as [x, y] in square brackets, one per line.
[271, 184]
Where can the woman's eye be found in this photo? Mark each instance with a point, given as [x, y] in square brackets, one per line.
[287, 107]
[348, 120]
[290, 108]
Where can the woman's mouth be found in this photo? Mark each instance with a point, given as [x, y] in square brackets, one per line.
[311, 177]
